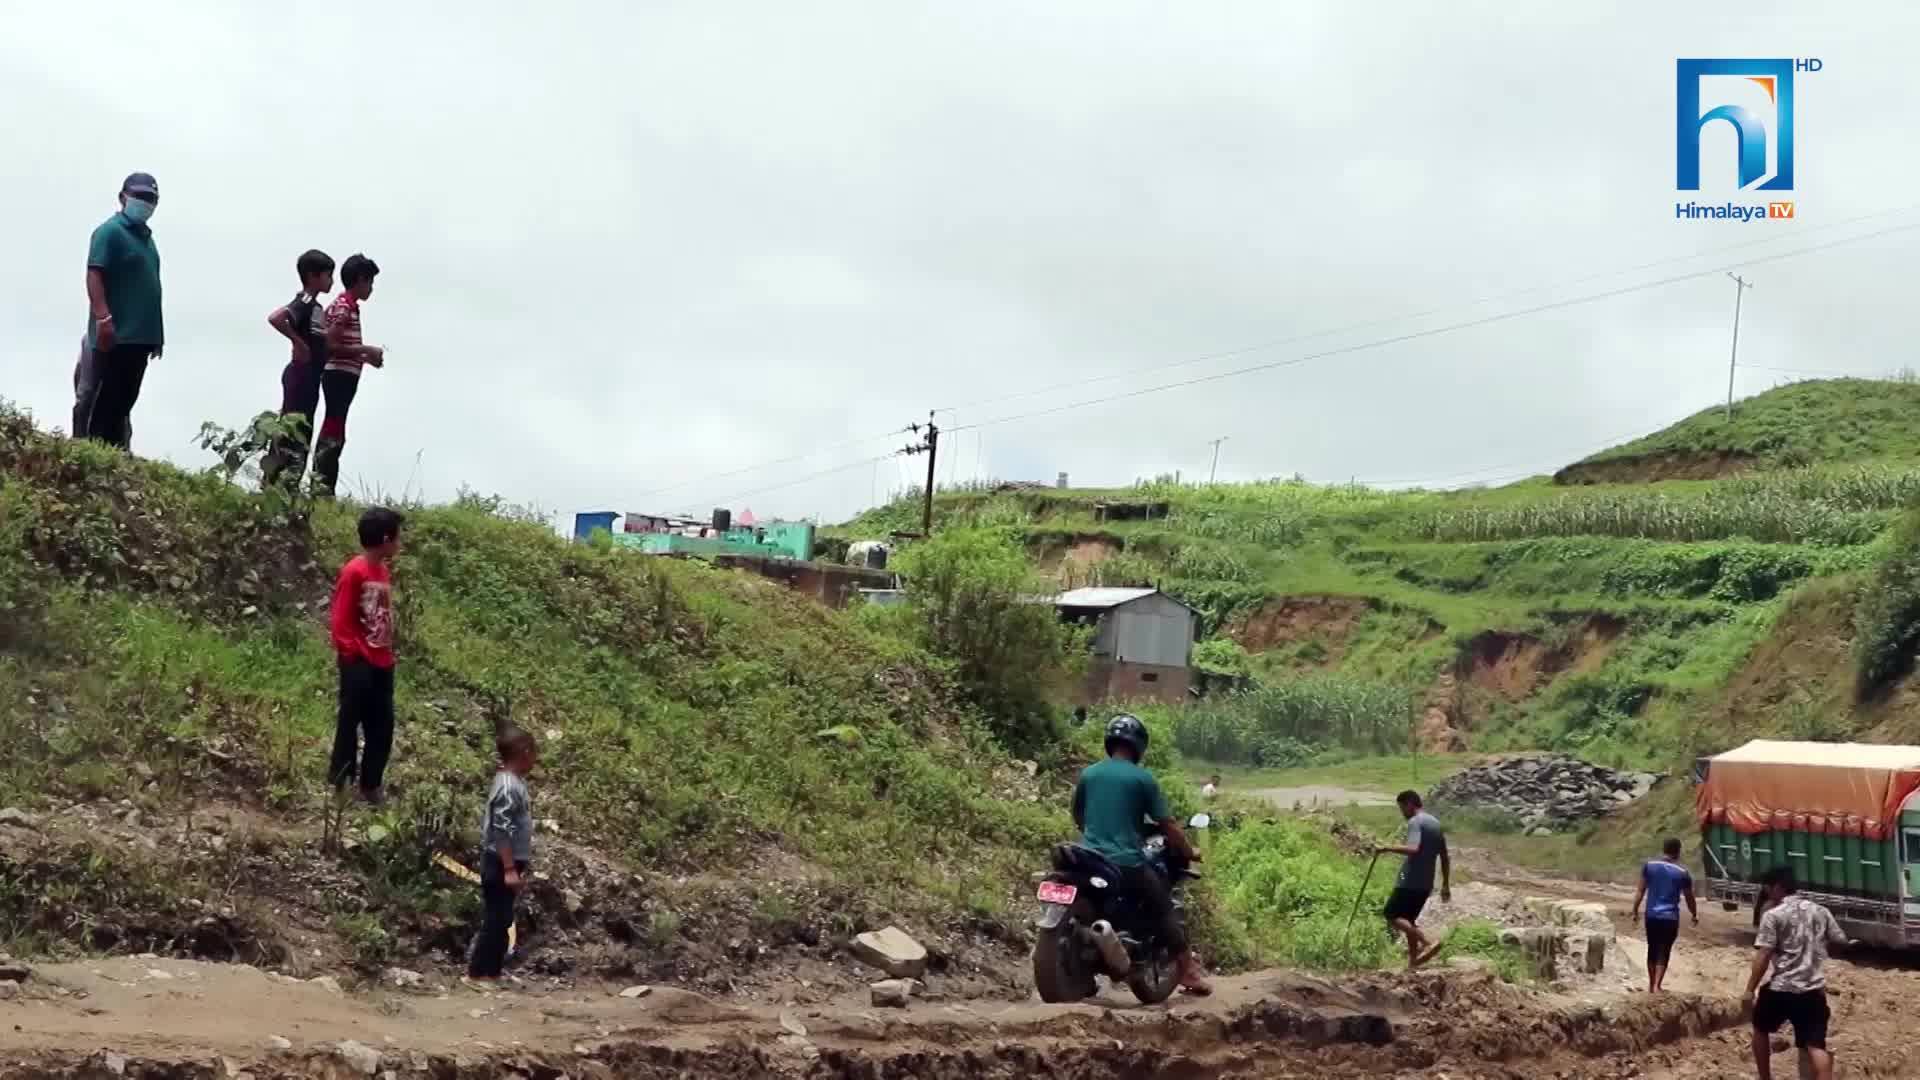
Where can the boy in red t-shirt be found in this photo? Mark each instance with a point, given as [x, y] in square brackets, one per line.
[363, 640]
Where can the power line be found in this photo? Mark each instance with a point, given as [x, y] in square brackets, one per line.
[863, 462]
[766, 464]
[1391, 319]
[1437, 330]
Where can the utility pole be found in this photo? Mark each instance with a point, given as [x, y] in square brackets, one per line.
[931, 448]
[1215, 467]
[1740, 291]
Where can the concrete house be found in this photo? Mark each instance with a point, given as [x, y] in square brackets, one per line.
[1142, 644]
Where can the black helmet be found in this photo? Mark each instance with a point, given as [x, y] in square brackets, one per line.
[1127, 728]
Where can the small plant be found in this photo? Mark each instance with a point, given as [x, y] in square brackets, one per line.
[662, 928]
[1480, 939]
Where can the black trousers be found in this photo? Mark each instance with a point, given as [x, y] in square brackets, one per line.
[117, 373]
[366, 705]
[1661, 934]
[338, 388]
[299, 397]
[490, 945]
[1156, 899]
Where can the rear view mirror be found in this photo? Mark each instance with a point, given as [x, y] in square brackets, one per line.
[1199, 821]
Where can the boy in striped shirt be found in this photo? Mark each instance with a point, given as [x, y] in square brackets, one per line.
[347, 354]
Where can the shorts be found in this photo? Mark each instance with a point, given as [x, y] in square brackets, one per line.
[1406, 904]
[1806, 1011]
[1661, 934]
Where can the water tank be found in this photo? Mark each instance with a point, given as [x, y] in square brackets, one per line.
[722, 520]
[585, 525]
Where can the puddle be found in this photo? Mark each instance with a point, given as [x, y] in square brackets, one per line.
[1312, 795]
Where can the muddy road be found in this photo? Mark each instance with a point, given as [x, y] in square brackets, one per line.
[175, 1018]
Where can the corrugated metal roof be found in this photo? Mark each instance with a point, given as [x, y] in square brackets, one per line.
[1102, 597]
[1830, 755]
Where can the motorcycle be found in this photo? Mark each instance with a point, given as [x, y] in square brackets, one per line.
[1090, 926]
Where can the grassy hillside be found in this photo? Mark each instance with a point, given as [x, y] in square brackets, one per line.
[1609, 619]
[1821, 421]
[723, 759]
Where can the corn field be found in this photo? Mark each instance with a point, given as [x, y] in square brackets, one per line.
[1849, 506]
[1866, 487]
[1286, 722]
[1265, 527]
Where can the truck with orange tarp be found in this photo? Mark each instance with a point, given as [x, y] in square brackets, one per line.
[1844, 816]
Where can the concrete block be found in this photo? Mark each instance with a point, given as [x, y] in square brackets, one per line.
[893, 952]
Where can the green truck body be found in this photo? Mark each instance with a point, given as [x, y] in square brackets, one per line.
[1852, 830]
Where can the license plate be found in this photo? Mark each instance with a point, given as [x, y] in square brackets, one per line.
[1053, 892]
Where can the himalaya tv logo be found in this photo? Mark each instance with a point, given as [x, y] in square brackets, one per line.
[1733, 122]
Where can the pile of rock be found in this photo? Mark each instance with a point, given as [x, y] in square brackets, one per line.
[1545, 793]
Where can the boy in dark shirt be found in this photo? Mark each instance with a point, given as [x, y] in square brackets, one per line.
[303, 322]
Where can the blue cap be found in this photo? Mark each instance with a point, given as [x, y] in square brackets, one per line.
[140, 184]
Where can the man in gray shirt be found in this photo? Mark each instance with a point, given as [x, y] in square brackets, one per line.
[1788, 981]
[1426, 844]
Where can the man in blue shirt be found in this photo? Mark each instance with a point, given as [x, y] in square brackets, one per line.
[124, 329]
[1663, 881]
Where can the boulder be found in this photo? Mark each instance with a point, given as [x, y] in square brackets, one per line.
[892, 951]
[892, 993]
[362, 1058]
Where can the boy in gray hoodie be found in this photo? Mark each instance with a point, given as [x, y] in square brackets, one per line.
[506, 850]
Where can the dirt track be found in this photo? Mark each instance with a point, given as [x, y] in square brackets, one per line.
[180, 1018]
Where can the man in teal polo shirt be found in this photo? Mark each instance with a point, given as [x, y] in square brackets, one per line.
[124, 331]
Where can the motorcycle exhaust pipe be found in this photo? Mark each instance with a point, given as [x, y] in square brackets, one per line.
[1112, 952]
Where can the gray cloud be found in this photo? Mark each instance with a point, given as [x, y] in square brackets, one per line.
[628, 246]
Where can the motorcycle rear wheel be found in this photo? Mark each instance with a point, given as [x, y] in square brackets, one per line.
[1154, 979]
[1054, 972]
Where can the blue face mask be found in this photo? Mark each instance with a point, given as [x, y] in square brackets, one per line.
[138, 211]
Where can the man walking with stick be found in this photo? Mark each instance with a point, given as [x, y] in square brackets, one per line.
[1426, 844]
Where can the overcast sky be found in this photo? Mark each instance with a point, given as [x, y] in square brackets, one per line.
[629, 246]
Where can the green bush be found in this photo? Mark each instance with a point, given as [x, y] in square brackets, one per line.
[1293, 891]
[1222, 656]
[1886, 620]
[1736, 573]
[973, 591]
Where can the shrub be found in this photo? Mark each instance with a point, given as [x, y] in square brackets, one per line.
[1222, 656]
[1886, 621]
[974, 594]
[1294, 891]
